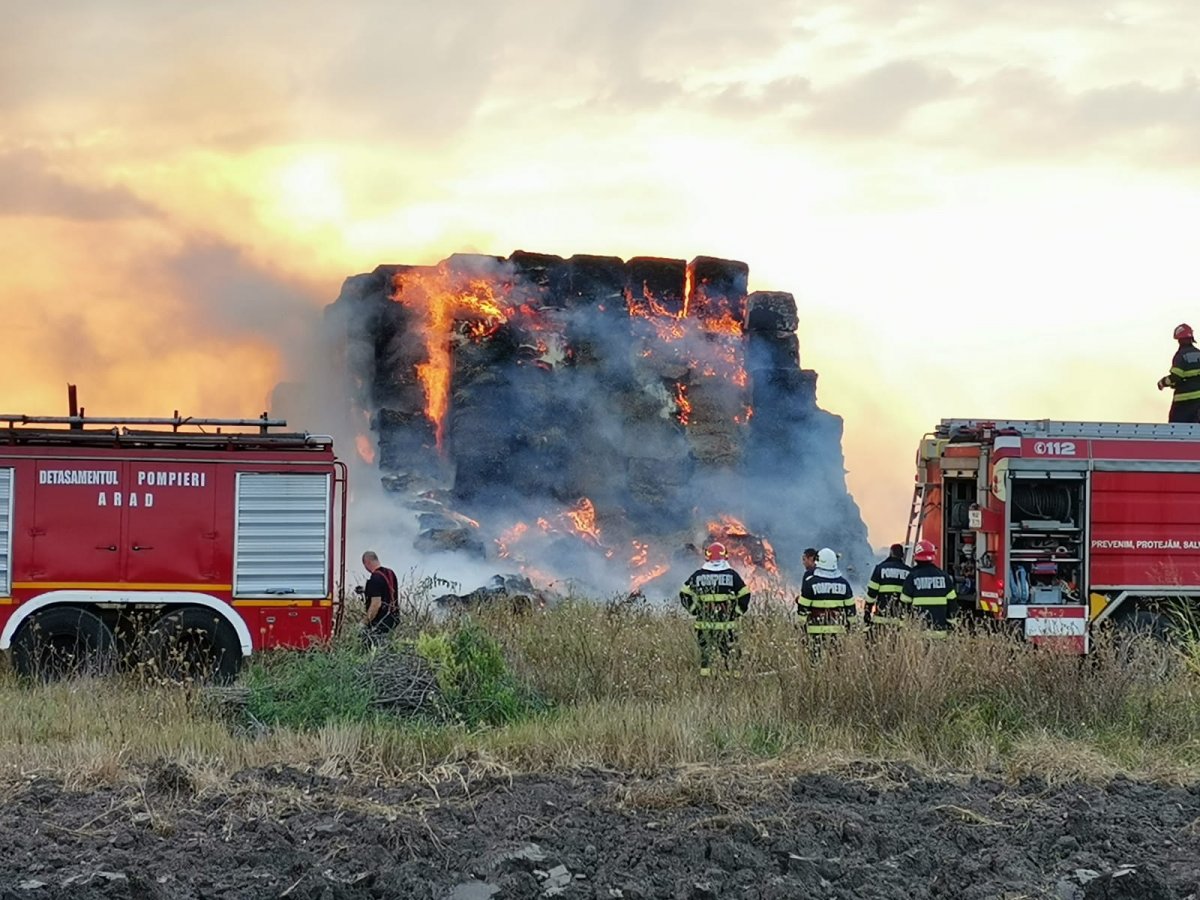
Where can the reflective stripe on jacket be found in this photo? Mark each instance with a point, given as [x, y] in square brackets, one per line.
[716, 595]
[888, 577]
[927, 585]
[1185, 373]
[827, 604]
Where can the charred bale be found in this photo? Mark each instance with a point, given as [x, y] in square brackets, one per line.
[772, 350]
[772, 312]
[660, 280]
[597, 282]
[718, 287]
[540, 279]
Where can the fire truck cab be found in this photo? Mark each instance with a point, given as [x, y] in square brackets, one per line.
[1057, 527]
[187, 546]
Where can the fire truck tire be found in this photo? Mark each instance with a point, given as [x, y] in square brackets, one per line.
[63, 641]
[1144, 623]
[194, 644]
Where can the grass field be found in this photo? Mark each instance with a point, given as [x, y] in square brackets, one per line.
[616, 687]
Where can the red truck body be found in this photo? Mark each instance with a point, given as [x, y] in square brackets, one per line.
[1063, 525]
[249, 525]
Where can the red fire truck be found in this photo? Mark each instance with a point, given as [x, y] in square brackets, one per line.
[1060, 526]
[160, 540]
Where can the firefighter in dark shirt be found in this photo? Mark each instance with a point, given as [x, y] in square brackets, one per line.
[1184, 378]
[826, 600]
[887, 580]
[382, 613]
[928, 591]
[717, 597]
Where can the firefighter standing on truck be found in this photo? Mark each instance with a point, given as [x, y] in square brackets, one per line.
[928, 591]
[1184, 378]
[717, 597]
[887, 581]
[826, 600]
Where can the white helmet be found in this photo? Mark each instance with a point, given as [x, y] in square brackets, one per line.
[826, 559]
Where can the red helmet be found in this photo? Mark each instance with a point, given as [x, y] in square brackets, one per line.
[924, 551]
[1184, 332]
[715, 550]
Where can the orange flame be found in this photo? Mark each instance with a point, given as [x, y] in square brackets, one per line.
[752, 555]
[444, 299]
[723, 324]
[508, 538]
[687, 290]
[582, 517]
[366, 452]
[642, 578]
[643, 573]
[682, 403]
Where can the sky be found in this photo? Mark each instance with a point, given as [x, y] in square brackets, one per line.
[984, 209]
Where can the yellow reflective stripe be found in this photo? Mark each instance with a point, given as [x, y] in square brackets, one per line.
[891, 589]
[280, 603]
[702, 625]
[117, 586]
[872, 585]
[714, 598]
[825, 629]
[1187, 395]
[930, 601]
[839, 603]
[1184, 373]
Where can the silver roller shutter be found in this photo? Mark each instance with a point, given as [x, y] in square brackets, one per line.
[6, 483]
[281, 542]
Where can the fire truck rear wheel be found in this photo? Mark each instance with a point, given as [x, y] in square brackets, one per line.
[194, 644]
[61, 642]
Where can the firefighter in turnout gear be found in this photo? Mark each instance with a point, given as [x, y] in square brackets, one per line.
[1184, 378]
[928, 591]
[717, 597]
[826, 600]
[883, 590]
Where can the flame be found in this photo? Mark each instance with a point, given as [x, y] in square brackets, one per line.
[582, 517]
[753, 556]
[508, 538]
[683, 405]
[366, 452]
[723, 324]
[642, 578]
[688, 278]
[643, 573]
[444, 299]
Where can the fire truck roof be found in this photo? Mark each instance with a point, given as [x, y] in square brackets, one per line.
[1050, 428]
[183, 433]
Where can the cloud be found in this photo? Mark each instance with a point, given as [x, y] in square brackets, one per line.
[1021, 114]
[878, 101]
[30, 187]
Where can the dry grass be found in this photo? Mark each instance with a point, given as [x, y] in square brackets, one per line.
[625, 695]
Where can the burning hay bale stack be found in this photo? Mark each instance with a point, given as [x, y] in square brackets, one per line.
[503, 393]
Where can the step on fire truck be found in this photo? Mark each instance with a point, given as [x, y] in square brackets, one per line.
[182, 545]
[1057, 527]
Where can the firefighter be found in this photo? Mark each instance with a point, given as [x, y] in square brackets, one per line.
[884, 588]
[717, 597]
[928, 591]
[381, 597]
[1184, 378]
[826, 601]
